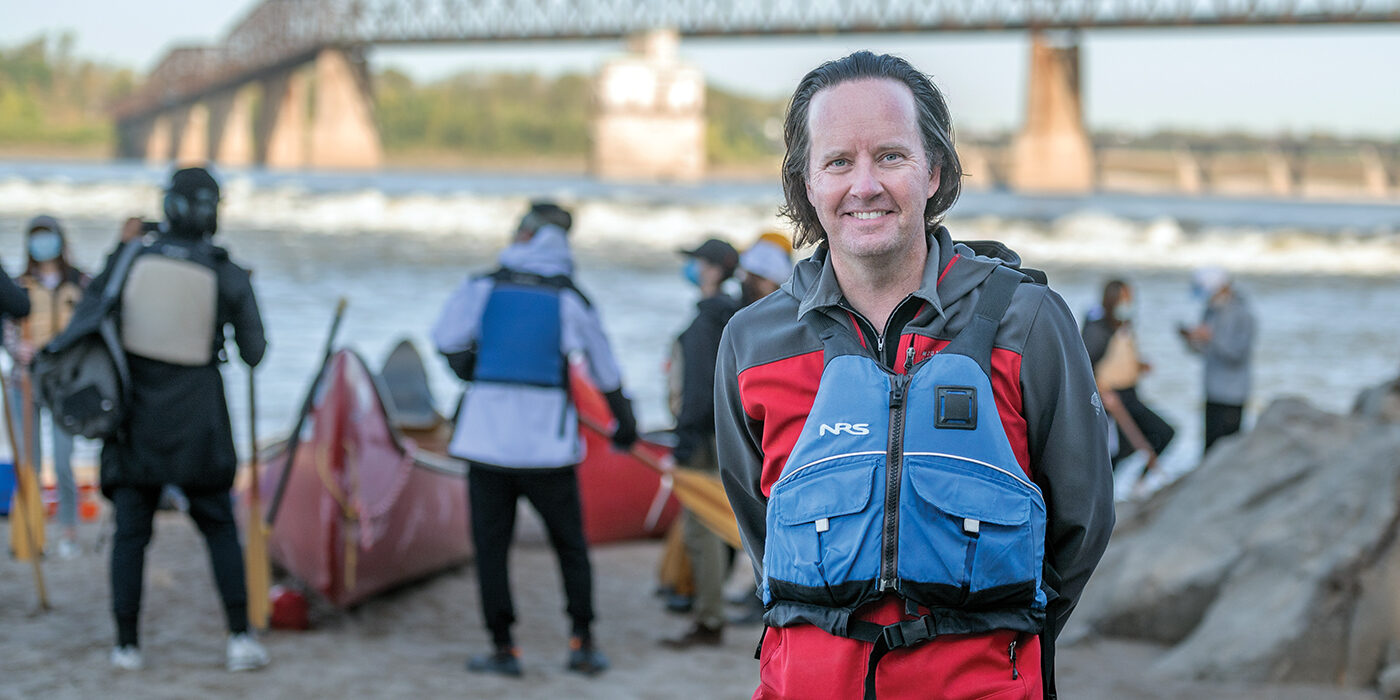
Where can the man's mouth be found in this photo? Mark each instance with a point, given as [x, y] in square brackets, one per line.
[867, 215]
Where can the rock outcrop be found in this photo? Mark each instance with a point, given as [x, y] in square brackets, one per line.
[1276, 560]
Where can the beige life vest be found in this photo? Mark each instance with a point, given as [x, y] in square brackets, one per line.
[169, 310]
[49, 310]
[1119, 368]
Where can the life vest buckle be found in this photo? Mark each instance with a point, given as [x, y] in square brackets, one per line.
[909, 632]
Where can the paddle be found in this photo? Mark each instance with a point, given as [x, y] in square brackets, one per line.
[295, 438]
[255, 564]
[701, 494]
[27, 523]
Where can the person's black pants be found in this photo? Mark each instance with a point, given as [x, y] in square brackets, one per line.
[1222, 419]
[493, 493]
[212, 512]
[1158, 432]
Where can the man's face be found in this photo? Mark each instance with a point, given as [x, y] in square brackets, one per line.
[867, 174]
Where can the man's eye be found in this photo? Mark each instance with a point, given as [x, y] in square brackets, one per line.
[891, 157]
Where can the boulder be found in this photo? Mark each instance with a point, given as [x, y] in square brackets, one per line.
[1274, 561]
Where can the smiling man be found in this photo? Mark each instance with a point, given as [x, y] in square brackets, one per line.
[908, 430]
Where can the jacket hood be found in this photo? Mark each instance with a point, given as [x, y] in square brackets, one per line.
[962, 267]
[546, 254]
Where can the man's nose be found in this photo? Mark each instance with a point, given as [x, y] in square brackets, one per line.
[866, 184]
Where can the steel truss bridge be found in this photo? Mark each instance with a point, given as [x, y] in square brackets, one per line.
[278, 34]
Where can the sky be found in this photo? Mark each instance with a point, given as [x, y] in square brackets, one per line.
[1267, 81]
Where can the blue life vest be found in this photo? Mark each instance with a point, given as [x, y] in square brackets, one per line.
[520, 341]
[906, 483]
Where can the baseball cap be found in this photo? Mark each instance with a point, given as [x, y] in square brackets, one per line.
[716, 252]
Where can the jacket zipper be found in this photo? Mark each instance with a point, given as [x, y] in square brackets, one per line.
[894, 471]
[1011, 652]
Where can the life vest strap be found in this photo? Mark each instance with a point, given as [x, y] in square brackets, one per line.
[887, 638]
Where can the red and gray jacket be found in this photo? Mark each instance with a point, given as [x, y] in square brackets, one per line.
[879, 604]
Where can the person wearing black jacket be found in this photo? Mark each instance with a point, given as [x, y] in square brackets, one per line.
[692, 383]
[14, 301]
[178, 296]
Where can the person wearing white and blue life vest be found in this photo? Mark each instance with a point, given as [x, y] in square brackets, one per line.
[510, 334]
[908, 429]
[1225, 340]
[180, 294]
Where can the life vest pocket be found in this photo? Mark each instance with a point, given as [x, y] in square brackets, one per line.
[973, 537]
[819, 547]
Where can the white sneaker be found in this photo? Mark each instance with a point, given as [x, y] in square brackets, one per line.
[126, 658]
[245, 653]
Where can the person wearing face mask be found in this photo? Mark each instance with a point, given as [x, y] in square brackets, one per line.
[691, 382]
[1225, 340]
[764, 266]
[54, 287]
[180, 294]
[1118, 365]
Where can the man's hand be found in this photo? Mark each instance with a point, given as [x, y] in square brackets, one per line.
[132, 229]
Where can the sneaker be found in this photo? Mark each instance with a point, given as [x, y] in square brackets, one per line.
[585, 658]
[679, 604]
[245, 653]
[68, 549]
[127, 658]
[504, 661]
[699, 635]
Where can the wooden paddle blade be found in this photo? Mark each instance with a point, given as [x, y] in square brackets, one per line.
[257, 571]
[27, 519]
[674, 571]
[703, 495]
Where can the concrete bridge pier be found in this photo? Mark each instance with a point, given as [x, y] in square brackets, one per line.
[191, 129]
[1283, 167]
[231, 128]
[1053, 153]
[1192, 175]
[343, 132]
[978, 171]
[650, 122]
[281, 128]
[160, 140]
[1374, 174]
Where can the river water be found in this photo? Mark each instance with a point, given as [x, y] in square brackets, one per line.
[1324, 278]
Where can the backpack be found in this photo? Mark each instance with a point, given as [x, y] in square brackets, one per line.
[81, 376]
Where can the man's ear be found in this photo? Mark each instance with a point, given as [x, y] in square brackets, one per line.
[934, 178]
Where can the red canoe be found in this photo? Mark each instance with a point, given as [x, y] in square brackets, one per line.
[373, 502]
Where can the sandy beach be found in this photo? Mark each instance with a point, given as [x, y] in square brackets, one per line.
[413, 642]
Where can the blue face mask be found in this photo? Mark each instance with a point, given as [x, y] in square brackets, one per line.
[45, 245]
[691, 271]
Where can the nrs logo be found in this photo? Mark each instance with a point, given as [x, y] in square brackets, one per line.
[847, 428]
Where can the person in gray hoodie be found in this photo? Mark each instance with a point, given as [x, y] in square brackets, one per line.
[1225, 339]
[510, 334]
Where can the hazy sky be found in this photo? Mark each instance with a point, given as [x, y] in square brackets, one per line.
[1267, 80]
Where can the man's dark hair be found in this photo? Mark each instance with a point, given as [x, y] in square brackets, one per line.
[544, 212]
[935, 128]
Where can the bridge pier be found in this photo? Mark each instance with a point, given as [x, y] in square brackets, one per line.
[1283, 167]
[231, 128]
[1192, 177]
[978, 171]
[1374, 174]
[282, 122]
[1052, 152]
[343, 133]
[159, 140]
[191, 129]
[650, 121]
